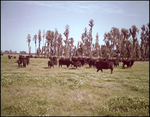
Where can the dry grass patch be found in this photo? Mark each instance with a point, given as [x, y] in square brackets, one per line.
[37, 90]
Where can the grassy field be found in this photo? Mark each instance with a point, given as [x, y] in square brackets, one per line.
[37, 90]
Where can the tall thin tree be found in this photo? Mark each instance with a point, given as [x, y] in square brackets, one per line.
[29, 40]
[91, 24]
[66, 33]
[35, 39]
[133, 31]
[39, 40]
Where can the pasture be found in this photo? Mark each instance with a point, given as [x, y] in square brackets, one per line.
[38, 90]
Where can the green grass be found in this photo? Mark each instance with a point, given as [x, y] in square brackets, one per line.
[37, 90]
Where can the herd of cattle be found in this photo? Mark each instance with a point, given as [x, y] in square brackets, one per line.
[100, 64]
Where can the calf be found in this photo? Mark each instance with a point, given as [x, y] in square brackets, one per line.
[50, 64]
[100, 65]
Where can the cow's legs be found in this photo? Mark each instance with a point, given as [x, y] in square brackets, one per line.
[111, 71]
[123, 65]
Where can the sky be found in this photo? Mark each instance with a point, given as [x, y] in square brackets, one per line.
[20, 18]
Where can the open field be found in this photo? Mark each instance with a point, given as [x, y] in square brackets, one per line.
[37, 90]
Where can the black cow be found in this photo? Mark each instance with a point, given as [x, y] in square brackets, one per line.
[14, 57]
[92, 62]
[27, 59]
[51, 58]
[65, 61]
[100, 65]
[74, 59]
[50, 64]
[82, 60]
[76, 64]
[132, 62]
[20, 61]
[30, 56]
[24, 62]
[87, 60]
[115, 61]
[9, 57]
[55, 60]
[128, 63]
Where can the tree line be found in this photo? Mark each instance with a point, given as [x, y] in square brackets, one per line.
[118, 43]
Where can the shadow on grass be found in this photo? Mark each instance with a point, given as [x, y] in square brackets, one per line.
[72, 68]
[21, 66]
[125, 67]
[47, 67]
[88, 67]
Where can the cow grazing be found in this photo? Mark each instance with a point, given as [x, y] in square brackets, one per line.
[14, 57]
[100, 65]
[50, 64]
[65, 61]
